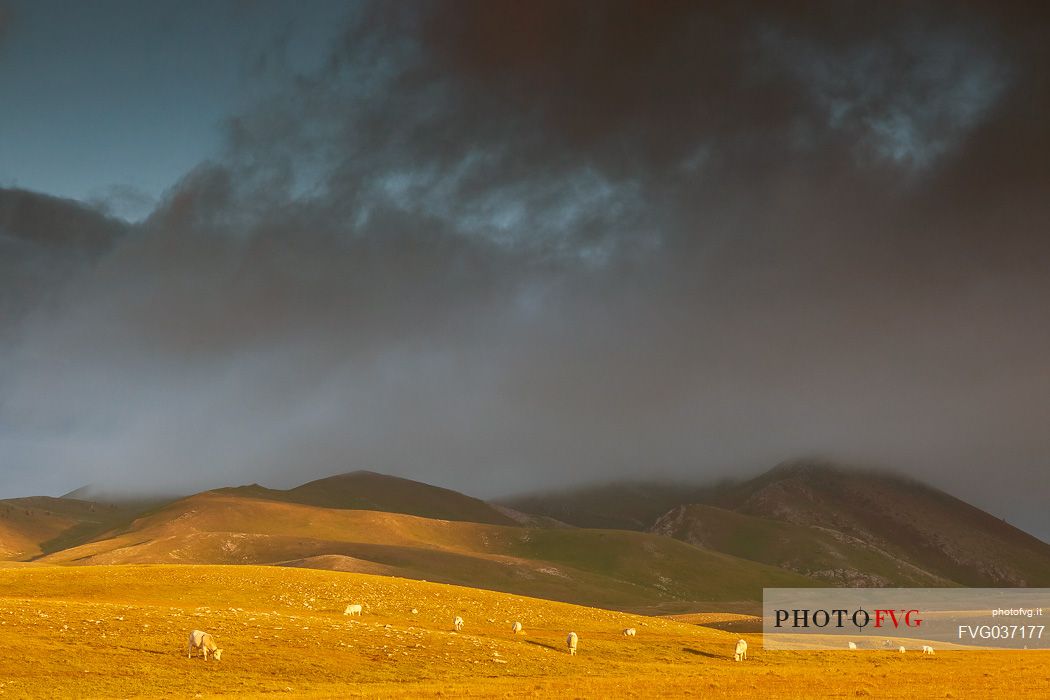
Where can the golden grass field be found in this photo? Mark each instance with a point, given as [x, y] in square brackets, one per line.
[120, 631]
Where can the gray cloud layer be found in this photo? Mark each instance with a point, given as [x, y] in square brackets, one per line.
[524, 245]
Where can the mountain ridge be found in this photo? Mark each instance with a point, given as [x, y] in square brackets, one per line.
[856, 526]
[800, 523]
[618, 569]
[369, 490]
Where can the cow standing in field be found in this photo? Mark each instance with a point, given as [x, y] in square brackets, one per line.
[457, 624]
[516, 628]
[740, 654]
[354, 609]
[927, 649]
[852, 646]
[571, 641]
[630, 632]
[205, 642]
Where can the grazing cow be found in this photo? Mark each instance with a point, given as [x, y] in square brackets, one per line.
[571, 641]
[927, 649]
[901, 649]
[516, 628]
[354, 609]
[205, 642]
[457, 624]
[852, 645]
[630, 632]
[740, 654]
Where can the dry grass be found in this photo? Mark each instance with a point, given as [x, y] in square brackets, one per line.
[120, 631]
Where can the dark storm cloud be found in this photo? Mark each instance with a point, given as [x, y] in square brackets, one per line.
[522, 245]
[42, 241]
[55, 223]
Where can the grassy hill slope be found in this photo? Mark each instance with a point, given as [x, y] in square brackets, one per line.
[621, 505]
[826, 555]
[841, 525]
[120, 631]
[30, 527]
[900, 516]
[626, 570]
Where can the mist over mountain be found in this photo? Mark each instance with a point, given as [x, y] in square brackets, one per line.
[526, 247]
[861, 527]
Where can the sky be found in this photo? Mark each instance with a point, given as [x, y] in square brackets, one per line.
[502, 247]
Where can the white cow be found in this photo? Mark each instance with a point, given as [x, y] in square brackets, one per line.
[901, 649]
[457, 624]
[630, 632]
[852, 645]
[354, 609]
[516, 628]
[206, 643]
[741, 650]
[927, 649]
[571, 641]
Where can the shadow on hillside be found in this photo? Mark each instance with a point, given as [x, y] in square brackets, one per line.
[750, 626]
[108, 518]
[697, 652]
[541, 644]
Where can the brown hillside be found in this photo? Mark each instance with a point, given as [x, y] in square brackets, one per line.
[902, 517]
[364, 490]
[842, 526]
[620, 505]
[823, 554]
[39, 525]
[627, 570]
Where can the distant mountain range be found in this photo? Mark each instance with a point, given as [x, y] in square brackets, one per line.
[254, 525]
[837, 525]
[659, 547]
